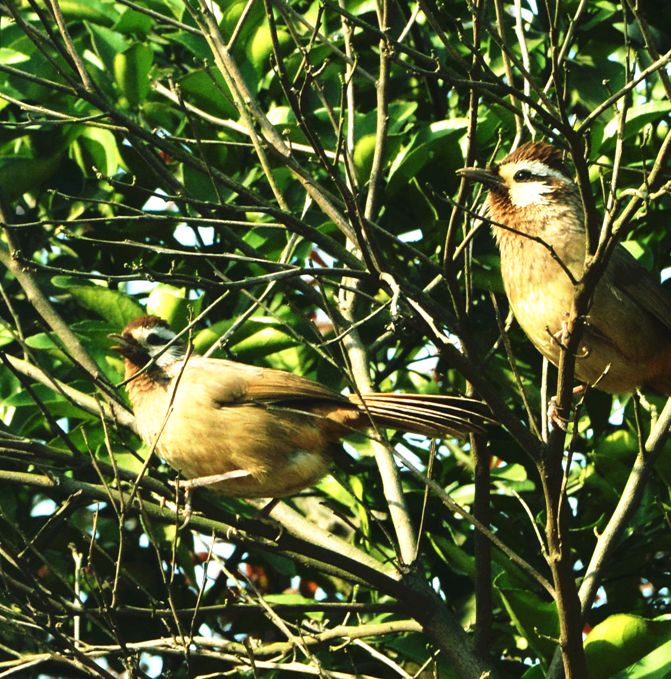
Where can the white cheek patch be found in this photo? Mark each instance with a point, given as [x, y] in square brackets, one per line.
[523, 194]
[534, 191]
[173, 353]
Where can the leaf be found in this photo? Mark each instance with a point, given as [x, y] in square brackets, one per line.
[171, 304]
[22, 175]
[97, 11]
[364, 150]
[107, 44]
[196, 44]
[431, 144]
[101, 147]
[637, 118]
[621, 640]
[535, 619]
[260, 47]
[111, 305]
[57, 404]
[266, 340]
[207, 89]
[652, 666]
[10, 57]
[640, 251]
[6, 337]
[132, 22]
[42, 342]
[452, 554]
[131, 72]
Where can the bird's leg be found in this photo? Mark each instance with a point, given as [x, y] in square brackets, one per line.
[647, 405]
[553, 411]
[190, 484]
[264, 512]
[561, 337]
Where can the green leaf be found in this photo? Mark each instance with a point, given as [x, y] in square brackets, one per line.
[452, 554]
[171, 304]
[364, 150]
[42, 342]
[535, 619]
[640, 251]
[10, 57]
[637, 118]
[196, 44]
[131, 72]
[96, 11]
[58, 405]
[260, 336]
[107, 44]
[260, 47]
[268, 339]
[652, 666]
[132, 22]
[208, 90]
[102, 151]
[22, 175]
[111, 305]
[6, 337]
[431, 144]
[621, 640]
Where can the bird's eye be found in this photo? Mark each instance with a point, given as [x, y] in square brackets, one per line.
[155, 340]
[523, 176]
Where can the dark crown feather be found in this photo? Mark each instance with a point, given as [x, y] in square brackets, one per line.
[540, 151]
[145, 322]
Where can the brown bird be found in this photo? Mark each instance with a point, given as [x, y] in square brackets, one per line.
[627, 337]
[259, 432]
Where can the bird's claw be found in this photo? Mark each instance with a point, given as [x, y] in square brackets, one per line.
[554, 417]
[188, 510]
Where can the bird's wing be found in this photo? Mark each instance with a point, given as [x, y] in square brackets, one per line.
[232, 382]
[638, 284]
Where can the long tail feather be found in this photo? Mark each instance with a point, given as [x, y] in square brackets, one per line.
[428, 414]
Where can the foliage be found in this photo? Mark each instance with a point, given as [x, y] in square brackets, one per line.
[279, 177]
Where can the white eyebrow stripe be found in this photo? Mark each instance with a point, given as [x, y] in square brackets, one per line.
[536, 167]
[164, 333]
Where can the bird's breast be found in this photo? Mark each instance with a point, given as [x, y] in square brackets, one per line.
[538, 288]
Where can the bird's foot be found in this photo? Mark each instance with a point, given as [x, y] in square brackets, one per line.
[561, 336]
[554, 416]
[264, 512]
[647, 405]
[188, 485]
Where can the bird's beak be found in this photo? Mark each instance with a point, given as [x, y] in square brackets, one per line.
[121, 344]
[480, 174]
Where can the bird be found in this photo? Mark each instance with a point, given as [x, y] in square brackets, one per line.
[537, 219]
[256, 432]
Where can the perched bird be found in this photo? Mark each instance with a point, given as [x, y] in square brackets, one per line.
[259, 432]
[626, 342]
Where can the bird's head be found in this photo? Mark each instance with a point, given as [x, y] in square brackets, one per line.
[532, 176]
[147, 338]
